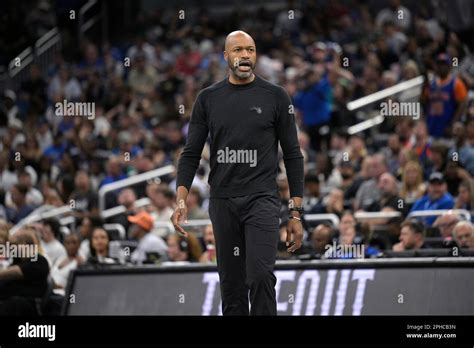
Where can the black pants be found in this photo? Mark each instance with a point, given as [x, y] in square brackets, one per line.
[246, 233]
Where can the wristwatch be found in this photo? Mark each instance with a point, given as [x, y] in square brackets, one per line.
[292, 207]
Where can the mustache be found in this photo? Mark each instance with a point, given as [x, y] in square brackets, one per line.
[244, 62]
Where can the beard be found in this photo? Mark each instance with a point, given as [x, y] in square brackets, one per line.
[241, 74]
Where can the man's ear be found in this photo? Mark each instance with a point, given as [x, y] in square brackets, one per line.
[226, 56]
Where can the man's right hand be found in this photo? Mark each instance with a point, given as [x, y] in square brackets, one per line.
[180, 215]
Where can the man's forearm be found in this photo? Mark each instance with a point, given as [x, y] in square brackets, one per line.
[181, 193]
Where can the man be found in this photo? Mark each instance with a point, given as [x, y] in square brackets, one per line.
[445, 98]
[85, 199]
[246, 117]
[445, 223]
[369, 191]
[412, 236]
[21, 208]
[437, 198]
[321, 237]
[148, 243]
[463, 232]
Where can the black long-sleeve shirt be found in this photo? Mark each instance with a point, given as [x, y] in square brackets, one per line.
[245, 123]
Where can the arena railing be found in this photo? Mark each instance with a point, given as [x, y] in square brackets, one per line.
[154, 174]
[414, 85]
[41, 53]
[84, 24]
[424, 213]
[42, 213]
[366, 215]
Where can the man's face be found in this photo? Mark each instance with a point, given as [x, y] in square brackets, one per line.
[436, 189]
[241, 56]
[442, 69]
[463, 235]
[407, 238]
[446, 225]
[320, 238]
[72, 245]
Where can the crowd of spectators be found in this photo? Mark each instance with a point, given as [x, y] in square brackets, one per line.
[325, 55]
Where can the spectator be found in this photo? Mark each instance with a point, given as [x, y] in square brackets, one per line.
[311, 196]
[445, 223]
[64, 86]
[114, 171]
[462, 151]
[313, 100]
[99, 247]
[413, 187]
[21, 208]
[321, 238]
[143, 77]
[148, 243]
[181, 249]
[369, 192]
[388, 186]
[194, 204]
[394, 13]
[86, 226]
[33, 196]
[465, 199]
[63, 267]
[25, 279]
[50, 233]
[436, 198]
[445, 98]
[160, 210]
[412, 236]
[210, 254]
[127, 199]
[4, 232]
[334, 204]
[463, 233]
[84, 198]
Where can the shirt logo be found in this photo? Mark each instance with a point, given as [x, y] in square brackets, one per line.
[258, 109]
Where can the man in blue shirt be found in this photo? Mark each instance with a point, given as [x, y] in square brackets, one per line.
[437, 198]
[314, 102]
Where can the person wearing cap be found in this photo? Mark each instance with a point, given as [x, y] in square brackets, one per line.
[148, 242]
[444, 97]
[437, 197]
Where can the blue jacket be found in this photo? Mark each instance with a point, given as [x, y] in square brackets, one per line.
[425, 203]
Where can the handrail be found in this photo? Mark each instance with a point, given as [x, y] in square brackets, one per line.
[424, 213]
[26, 57]
[47, 40]
[118, 227]
[132, 180]
[371, 122]
[366, 215]
[384, 93]
[139, 203]
[43, 213]
[318, 217]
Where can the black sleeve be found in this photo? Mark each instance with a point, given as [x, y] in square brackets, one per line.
[34, 270]
[191, 155]
[286, 131]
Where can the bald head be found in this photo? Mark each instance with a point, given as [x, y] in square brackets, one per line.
[241, 56]
[237, 37]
